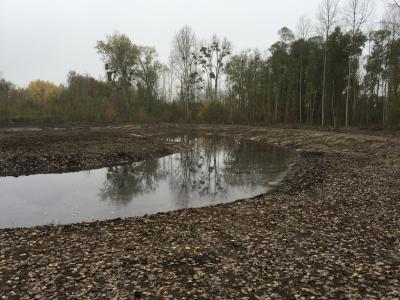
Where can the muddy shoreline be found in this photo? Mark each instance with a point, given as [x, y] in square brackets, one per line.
[61, 150]
[331, 230]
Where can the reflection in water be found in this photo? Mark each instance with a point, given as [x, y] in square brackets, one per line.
[215, 170]
[213, 167]
[126, 182]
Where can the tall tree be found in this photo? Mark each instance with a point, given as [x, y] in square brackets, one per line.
[120, 58]
[357, 13]
[184, 63]
[212, 59]
[376, 71]
[5, 87]
[236, 73]
[327, 17]
[148, 74]
[391, 24]
[303, 31]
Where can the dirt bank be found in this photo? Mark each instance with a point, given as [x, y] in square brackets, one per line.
[331, 230]
[58, 150]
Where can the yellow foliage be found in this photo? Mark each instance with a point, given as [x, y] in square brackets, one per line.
[110, 112]
[203, 108]
[42, 91]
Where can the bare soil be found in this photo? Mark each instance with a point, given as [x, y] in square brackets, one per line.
[331, 230]
[58, 150]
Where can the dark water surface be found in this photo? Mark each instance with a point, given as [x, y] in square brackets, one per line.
[215, 170]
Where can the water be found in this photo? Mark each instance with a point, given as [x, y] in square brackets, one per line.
[215, 170]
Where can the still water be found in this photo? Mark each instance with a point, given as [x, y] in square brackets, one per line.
[215, 170]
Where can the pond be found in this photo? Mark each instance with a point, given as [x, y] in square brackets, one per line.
[216, 170]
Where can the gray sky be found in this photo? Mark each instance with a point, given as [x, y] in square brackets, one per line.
[45, 39]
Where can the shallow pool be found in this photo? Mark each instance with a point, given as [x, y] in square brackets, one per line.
[215, 170]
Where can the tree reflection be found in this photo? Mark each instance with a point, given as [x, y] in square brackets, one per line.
[249, 164]
[125, 182]
[195, 174]
[208, 172]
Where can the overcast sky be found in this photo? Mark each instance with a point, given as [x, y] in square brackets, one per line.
[47, 38]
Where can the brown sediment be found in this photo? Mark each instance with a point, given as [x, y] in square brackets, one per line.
[330, 230]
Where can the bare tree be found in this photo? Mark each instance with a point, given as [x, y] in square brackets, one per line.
[327, 15]
[395, 3]
[357, 13]
[183, 61]
[391, 19]
[162, 85]
[212, 58]
[222, 50]
[303, 31]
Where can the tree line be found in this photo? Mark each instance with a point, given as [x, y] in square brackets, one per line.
[339, 70]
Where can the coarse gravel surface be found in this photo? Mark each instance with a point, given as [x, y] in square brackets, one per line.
[331, 230]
